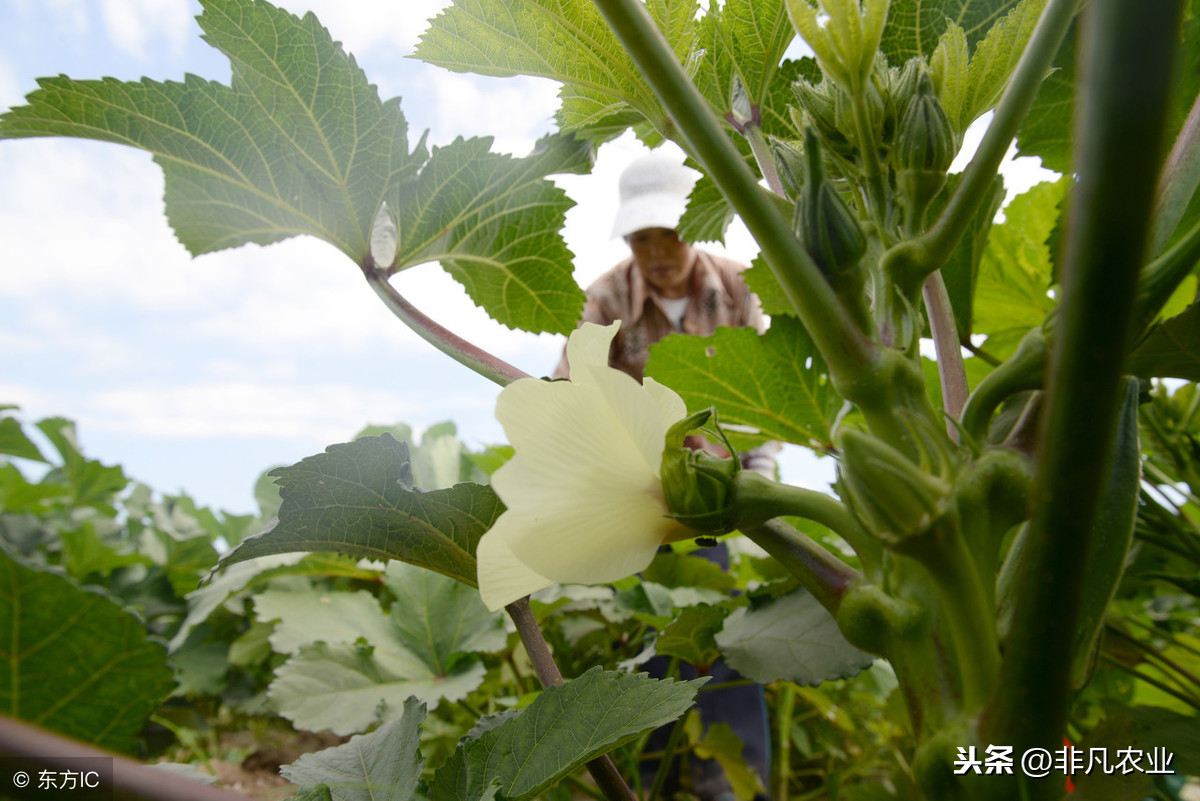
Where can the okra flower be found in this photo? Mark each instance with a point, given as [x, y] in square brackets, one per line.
[583, 491]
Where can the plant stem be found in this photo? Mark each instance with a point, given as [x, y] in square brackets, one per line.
[847, 351]
[449, 343]
[1125, 66]
[761, 499]
[603, 771]
[914, 259]
[949, 353]
[762, 155]
[820, 572]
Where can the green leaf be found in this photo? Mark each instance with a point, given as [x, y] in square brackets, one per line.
[792, 638]
[357, 499]
[298, 144]
[672, 569]
[493, 222]
[14, 442]
[352, 664]
[914, 26]
[995, 59]
[73, 661]
[526, 752]
[384, 765]
[439, 619]
[743, 41]
[1046, 131]
[720, 743]
[775, 383]
[564, 40]
[1171, 349]
[91, 483]
[690, 635]
[1016, 271]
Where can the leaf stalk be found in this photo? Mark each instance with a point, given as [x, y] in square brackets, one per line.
[487, 365]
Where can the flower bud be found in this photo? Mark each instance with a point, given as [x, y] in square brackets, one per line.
[826, 226]
[924, 148]
[789, 163]
[892, 495]
[817, 110]
[924, 140]
[698, 488]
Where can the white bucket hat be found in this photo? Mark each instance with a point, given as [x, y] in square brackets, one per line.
[654, 190]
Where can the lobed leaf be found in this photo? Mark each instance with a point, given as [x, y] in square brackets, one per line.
[914, 26]
[357, 499]
[493, 223]
[1016, 271]
[564, 40]
[385, 764]
[351, 664]
[775, 383]
[522, 754]
[742, 40]
[299, 143]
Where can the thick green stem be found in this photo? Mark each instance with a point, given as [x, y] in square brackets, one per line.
[847, 351]
[449, 343]
[820, 572]
[603, 771]
[914, 259]
[1125, 67]
[969, 612]
[872, 168]
[951, 369]
[760, 499]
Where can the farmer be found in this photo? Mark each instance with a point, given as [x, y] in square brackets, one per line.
[667, 286]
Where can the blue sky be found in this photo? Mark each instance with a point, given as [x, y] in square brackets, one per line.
[197, 375]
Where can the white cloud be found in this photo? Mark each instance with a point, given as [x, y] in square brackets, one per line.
[244, 409]
[131, 24]
[366, 26]
[516, 111]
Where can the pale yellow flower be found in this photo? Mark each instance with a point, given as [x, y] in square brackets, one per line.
[583, 494]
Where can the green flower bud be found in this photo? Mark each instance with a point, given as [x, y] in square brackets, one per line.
[924, 140]
[893, 496]
[924, 148]
[789, 163]
[817, 110]
[698, 487]
[901, 87]
[826, 226]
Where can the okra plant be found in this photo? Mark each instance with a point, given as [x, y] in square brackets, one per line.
[984, 507]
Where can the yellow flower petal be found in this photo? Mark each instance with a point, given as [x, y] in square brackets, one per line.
[503, 578]
[583, 491]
